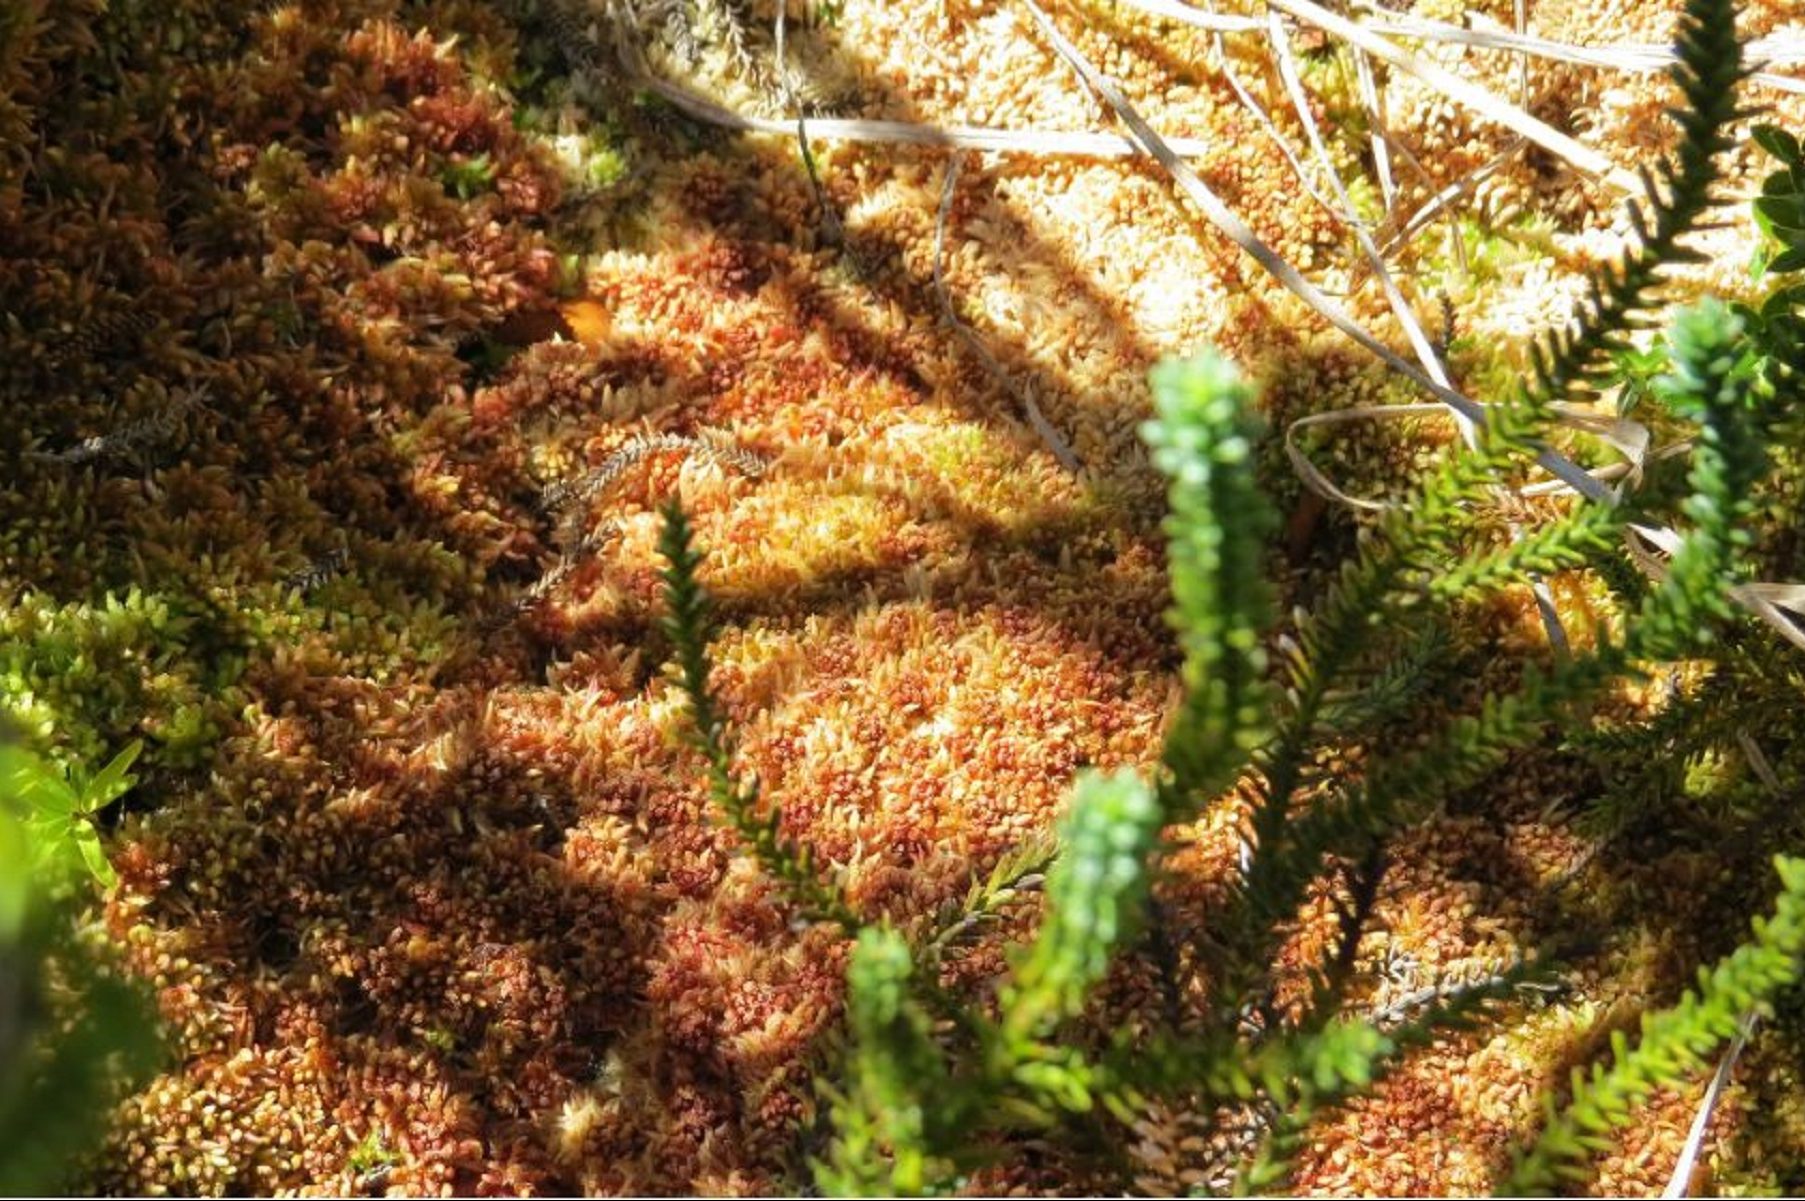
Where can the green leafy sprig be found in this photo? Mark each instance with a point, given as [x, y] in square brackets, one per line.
[690, 627]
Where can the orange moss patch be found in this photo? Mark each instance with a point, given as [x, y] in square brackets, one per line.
[451, 888]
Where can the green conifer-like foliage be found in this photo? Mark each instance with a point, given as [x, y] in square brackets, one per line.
[1712, 383]
[896, 1109]
[1779, 322]
[1202, 441]
[689, 627]
[1708, 69]
[1673, 1042]
[914, 1107]
[1732, 709]
[322, 637]
[934, 1082]
[1096, 899]
[920, 1098]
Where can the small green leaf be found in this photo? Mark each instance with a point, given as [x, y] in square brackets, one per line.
[1780, 183]
[1777, 213]
[1777, 142]
[111, 781]
[87, 841]
[1788, 260]
[47, 794]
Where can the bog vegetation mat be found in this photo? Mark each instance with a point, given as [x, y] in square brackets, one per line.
[353, 350]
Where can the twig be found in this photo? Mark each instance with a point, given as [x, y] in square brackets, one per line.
[318, 571]
[1637, 57]
[1077, 143]
[1781, 49]
[831, 230]
[712, 444]
[566, 565]
[1680, 1183]
[1036, 418]
[1582, 157]
[1260, 114]
[1453, 989]
[1375, 117]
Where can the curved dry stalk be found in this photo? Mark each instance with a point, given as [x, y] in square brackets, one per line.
[1076, 143]
[1645, 58]
[1036, 418]
[1651, 546]
[1494, 108]
[1379, 137]
[1768, 601]
[1680, 1183]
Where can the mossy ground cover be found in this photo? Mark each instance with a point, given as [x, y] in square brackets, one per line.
[351, 347]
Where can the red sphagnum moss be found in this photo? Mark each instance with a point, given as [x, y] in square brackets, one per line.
[445, 910]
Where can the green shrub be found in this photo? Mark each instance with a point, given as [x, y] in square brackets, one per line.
[73, 1035]
[931, 1082]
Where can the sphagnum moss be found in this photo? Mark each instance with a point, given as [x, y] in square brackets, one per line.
[407, 880]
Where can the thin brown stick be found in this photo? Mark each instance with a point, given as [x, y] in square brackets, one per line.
[1630, 57]
[1076, 143]
[1036, 418]
[1776, 50]
[1582, 157]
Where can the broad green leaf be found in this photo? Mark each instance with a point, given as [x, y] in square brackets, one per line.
[1788, 260]
[1780, 183]
[1781, 213]
[1777, 142]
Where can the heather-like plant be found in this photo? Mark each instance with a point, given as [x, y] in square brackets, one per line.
[689, 626]
[1674, 1041]
[1737, 708]
[914, 1109]
[1022, 1068]
[931, 1082]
